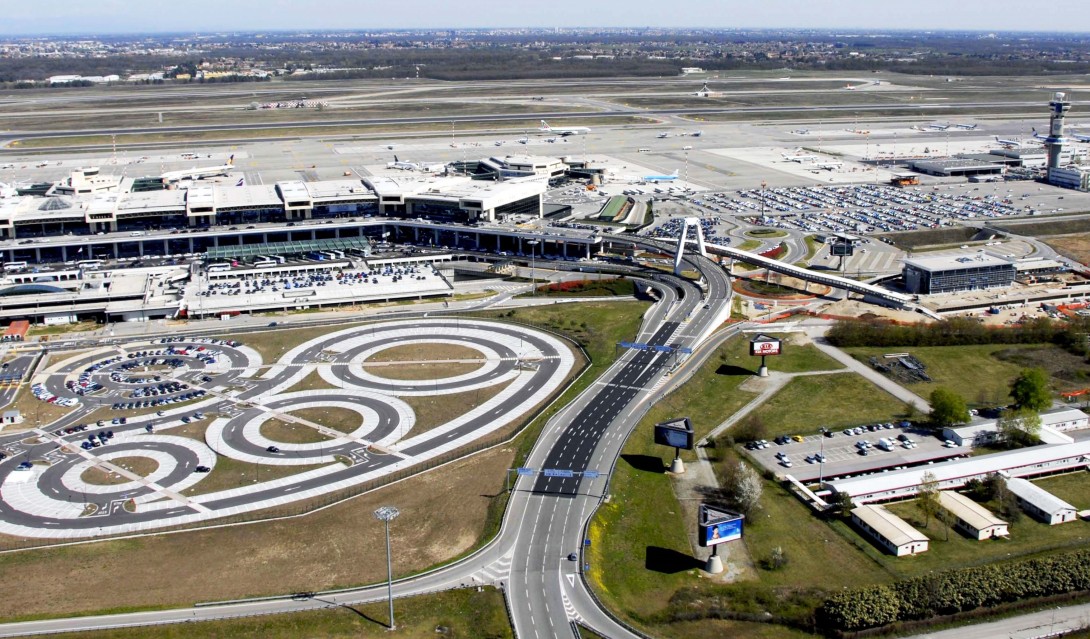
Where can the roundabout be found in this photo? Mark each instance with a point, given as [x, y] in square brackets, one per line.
[114, 477]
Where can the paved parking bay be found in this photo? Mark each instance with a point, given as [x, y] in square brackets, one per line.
[842, 456]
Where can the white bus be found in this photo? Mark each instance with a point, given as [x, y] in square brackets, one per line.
[89, 263]
[263, 262]
[14, 266]
[219, 267]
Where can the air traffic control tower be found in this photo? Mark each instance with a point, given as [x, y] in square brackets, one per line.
[1055, 141]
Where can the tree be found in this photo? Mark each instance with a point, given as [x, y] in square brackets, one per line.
[746, 488]
[1030, 389]
[927, 496]
[947, 408]
[751, 429]
[1018, 428]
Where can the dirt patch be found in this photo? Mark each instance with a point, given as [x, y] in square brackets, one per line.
[1070, 370]
[443, 513]
[779, 287]
[99, 476]
[1076, 247]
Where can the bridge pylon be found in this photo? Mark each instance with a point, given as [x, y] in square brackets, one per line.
[688, 222]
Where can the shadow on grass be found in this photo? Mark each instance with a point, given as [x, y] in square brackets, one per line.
[668, 561]
[361, 614]
[730, 369]
[645, 463]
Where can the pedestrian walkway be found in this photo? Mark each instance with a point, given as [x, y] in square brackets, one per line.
[817, 334]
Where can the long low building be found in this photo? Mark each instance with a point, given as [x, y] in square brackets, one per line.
[1025, 462]
[890, 531]
[1053, 424]
[1040, 503]
[972, 518]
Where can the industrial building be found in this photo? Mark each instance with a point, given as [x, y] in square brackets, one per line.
[972, 519]
[956, 167]
[1039, 503]
[890, 531]
[945, 273]
[1025, 462]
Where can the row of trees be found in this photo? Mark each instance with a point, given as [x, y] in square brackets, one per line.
[960, 331]
[955, 591]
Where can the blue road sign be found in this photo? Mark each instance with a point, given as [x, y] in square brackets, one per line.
[556, 472]
[686, 350]
[663, 349]
[590, 474]
[524, 471]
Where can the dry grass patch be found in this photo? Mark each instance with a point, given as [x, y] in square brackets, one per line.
[231, 473]
[436, 410]
[101, 476]
[312, 381]
[289, 433]
[35, 411]
[339, 419]
[424, 361]
[335, 547]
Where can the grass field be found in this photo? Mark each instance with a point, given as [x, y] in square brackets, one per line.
[35, 411]
[232, 473]
[99, 476]
[980, 374]
[289, 433]
[843, 399]
[586, 288]
[436, 410]
[798, 356]
[459, 613]
[1074, 488]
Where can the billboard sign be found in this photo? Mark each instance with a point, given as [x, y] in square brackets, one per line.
[842, 249]
[764, 345]
[717, 525]
[677, 433]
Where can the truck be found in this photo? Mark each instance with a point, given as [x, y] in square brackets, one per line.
[885, 444]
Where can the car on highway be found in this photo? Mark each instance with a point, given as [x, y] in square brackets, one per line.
[573, 557]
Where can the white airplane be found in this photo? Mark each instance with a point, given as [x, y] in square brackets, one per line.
[664, 134]
[661, 178]
[575, 130]
[199, 173]
[1081, 138]
[697, 134]
[829, 166]
[1008, 143]
[523, 140]
[402, 166]
[966, 127]
[799, 158]
[938, 127]
[6, 191]
[7, 166]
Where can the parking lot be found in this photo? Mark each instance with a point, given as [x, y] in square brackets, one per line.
[842, 452]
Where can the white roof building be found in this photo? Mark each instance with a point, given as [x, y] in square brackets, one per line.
[889, 530]
[1040, 503]
[1024, 462]
[974, 519]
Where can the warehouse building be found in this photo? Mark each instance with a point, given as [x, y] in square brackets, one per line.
[890, 531]
[1039, 503]
[948, 273]
[973, 519]
[957, 167]
[1053, 424]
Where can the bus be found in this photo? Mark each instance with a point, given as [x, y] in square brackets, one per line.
[89, 263]
[219, 267]
[14, 266]
[263, 262]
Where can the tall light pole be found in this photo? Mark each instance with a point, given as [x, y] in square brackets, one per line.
[533, 265]
[388, 514]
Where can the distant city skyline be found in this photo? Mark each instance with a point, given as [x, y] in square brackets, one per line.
[103, 17]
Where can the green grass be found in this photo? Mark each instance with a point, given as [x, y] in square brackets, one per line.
[1027, 537]
[587, 288]
[844, 399]
[798, 356]
[461, 613]
[974, 372]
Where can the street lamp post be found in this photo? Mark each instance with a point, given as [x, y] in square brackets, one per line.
[388, 514]
[533, 265]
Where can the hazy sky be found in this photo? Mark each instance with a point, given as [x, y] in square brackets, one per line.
[28, 17]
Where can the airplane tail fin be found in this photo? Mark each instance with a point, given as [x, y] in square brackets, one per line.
[231, 160]
[545, 126]
[675, 173]
[395, 158]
